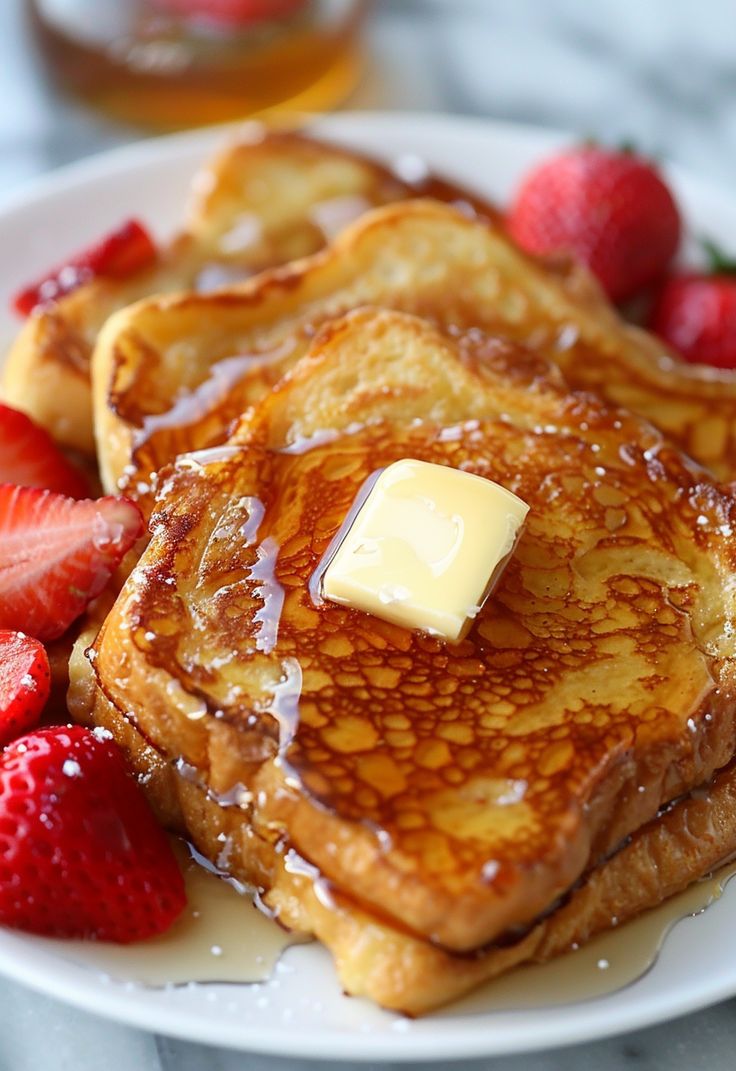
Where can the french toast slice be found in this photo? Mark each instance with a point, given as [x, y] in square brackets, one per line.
[172, 373]
[265, 200]
[456, 792]
[691, 838]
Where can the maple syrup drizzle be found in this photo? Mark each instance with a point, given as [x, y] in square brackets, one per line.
[284, 702]
[191, 405]
[195, 404]
[296, 864]
[270, 592]
[196, 460]
[262, 574]
[256, 513]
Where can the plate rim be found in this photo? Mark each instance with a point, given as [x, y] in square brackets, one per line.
[147, 150]
[469, 1038]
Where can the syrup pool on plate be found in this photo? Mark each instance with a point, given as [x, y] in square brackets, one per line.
[609, 962]
[221, 937]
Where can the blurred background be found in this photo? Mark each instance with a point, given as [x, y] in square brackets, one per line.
[78, 76]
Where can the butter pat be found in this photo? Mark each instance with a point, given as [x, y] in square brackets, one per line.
[426, 548]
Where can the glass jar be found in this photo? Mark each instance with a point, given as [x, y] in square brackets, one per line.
[169, 64]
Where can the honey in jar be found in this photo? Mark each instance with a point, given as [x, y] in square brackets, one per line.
[169, 64]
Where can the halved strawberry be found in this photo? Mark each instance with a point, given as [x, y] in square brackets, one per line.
[30, 457]
[25, 682]
[57, 554]
[81, 854]
[115, 256]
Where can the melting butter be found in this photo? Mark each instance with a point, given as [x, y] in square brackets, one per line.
[425, 547]
[221, 937]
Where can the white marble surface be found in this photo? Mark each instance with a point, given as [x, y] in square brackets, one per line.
[662, 74]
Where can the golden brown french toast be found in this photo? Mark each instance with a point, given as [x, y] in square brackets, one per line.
[455, 792]
[262, 201]
[172, 373]
[383, 963]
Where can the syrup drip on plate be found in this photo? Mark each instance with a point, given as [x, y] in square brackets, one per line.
[221, 937]
[609, 962]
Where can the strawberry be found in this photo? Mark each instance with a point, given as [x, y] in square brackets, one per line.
[611, 209]
[25, 682]
[231, 12]
[57, 554]
[81, 854]
[696, 313]
[29, 456]
[115, 256]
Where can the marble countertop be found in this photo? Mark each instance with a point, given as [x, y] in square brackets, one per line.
[662, 75]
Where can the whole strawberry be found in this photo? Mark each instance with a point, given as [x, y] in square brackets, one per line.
[25, 682]
[81, 854]
[610, 209]
[696, 313]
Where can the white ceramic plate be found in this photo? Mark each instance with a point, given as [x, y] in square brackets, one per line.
[302, 1012]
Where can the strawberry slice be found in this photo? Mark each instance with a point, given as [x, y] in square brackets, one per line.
[31, 458]
[115, 256]
[232, 12]
[25, 682]
[57, 554]
[81, 854]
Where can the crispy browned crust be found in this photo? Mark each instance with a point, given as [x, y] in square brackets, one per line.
[172, 373]
[258, 203]
[388, 965]
[458, 790]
